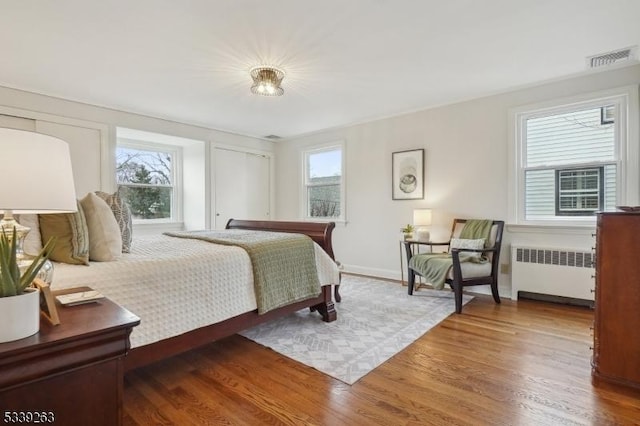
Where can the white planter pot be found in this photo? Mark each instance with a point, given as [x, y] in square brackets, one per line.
[19, 315]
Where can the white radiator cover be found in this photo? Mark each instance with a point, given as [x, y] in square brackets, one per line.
[565, 272]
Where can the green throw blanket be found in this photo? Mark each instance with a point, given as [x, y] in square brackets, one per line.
[434, 267]
[284, 266]
[476, 228]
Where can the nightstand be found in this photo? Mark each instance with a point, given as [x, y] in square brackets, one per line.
[71, 373]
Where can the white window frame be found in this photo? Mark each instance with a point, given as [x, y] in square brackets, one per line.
[316, 149]
[177, 159]
[627, 151]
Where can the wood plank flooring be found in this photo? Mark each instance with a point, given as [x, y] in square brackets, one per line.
[524, 363]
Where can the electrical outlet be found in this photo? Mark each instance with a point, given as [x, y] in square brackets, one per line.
[504, 268]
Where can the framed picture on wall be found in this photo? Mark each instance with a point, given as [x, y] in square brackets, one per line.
[407, 175]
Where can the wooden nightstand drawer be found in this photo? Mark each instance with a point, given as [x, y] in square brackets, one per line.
[73, 370]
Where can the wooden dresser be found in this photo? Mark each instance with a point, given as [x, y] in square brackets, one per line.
[69, 374]
[616, 350]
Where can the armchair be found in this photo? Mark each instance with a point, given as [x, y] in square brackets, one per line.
[463, 274]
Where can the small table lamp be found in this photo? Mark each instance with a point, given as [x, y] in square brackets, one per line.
[421, 220]
[36, 177]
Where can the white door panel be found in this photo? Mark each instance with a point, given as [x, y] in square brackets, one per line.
[258, 185]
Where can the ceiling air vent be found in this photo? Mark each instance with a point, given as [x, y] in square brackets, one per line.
[273, 137]
[610, 58]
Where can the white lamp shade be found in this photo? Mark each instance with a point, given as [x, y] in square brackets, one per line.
[36, 174]
[422, 217]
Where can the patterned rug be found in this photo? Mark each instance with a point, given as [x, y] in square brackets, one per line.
[376, 320]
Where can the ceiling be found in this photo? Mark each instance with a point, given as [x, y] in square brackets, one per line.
[346, 61]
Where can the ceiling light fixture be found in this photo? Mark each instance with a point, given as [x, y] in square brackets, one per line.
[266, 81]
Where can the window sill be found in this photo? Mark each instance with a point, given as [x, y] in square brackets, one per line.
[156, 228]
[585, 229]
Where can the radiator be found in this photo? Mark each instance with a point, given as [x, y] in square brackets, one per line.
[552, 271]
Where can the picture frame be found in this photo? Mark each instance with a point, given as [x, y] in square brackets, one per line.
[407, 175]
[47, 302]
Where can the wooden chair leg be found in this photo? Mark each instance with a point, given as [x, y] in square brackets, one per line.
[494, 292]
[336, 293]
[411, 281]
[457, 294]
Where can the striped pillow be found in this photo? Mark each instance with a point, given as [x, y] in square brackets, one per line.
[461, 243]
[122, 213]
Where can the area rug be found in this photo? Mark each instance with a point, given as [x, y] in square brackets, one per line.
[376, 320]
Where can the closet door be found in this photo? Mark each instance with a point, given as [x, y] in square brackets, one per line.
[258, 184]
[241, 186]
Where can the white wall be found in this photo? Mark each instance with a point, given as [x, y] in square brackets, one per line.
[197, 214]
[466, 173]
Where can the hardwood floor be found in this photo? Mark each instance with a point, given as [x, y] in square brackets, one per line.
[524, 363]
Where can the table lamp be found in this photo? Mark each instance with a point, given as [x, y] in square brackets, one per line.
[421, 222]
[36, 177]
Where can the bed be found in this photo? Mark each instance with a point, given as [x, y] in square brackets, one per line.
[165, 281]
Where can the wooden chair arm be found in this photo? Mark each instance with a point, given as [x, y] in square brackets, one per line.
[426, 243]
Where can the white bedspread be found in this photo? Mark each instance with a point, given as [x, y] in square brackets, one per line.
[176, 285]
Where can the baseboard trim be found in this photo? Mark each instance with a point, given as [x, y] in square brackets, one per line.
[555, 299]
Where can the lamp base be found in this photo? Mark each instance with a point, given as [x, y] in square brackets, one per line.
[422, 234]
[7, 225]
[46, 270]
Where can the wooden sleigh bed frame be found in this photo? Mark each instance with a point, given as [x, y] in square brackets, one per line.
[319, 232]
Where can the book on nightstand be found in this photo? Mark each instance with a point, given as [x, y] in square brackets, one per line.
[79, 298]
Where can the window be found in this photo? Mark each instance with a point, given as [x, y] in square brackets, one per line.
[146, 178]
[570, 160]
[323, 184]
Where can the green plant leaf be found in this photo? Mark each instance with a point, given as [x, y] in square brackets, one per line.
[7, 283]
[13, 262]
[12, 282]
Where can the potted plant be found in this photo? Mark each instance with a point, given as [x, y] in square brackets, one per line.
[407, 231]
[19, 302]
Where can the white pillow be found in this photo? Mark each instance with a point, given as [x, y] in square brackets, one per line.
[462, 243]
[105, 239]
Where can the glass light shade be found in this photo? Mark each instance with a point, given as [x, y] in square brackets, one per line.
[266, 81]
